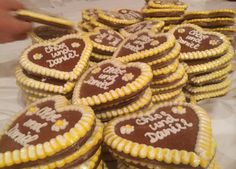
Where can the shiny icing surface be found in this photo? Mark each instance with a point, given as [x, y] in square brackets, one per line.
[37, 125]
[192, 40]
[63, 56]
[173, 127]
[107, 77]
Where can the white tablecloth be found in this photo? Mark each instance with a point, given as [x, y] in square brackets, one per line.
[221, 110]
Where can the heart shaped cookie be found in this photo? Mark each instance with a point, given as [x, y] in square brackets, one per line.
[197, 43]
[65, 58]
[176, 134]
[111, 82]
[155, 26]
[144, 44]
[173, 4]
[120, 18]
[105, 41]
[47, 129]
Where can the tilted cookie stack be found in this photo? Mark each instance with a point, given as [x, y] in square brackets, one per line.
[51, 68]
[105, 41]
[167, 136]
[169, 11]
[113, 89]
[52, 134]
[221, 20]
[208, 58]
[161, 52]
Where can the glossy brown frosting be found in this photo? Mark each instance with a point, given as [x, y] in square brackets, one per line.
[163, 119]
[111, 76]
[49, 32]
[45, 134]
[140, 42]
[63, 56]
[191, 40]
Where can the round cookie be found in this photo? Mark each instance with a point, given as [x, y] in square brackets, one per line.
[147, 137]
[162, 12]
[46, 130]
[154, 26]
[31, 16]
[65, 58]
[197, 43]
[168, 20]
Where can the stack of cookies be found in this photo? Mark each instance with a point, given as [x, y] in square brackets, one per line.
[105, 41]
[208, 58]
[113, 88]
[161, 52]
[51, 68]
[167, 136]
[87, 16]
[50, 133]
[221, 20]
[169, 11]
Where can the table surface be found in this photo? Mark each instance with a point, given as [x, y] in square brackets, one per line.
[221, 110]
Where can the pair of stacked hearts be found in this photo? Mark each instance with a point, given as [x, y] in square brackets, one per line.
[171, 135]
[49, 132]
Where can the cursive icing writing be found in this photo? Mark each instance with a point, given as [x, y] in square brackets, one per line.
[162, 125]
[193, 40]
[21, 138]
[60, 53]
[106, 78]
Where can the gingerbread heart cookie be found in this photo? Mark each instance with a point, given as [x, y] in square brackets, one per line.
[105, 41]
[120, 18]
[197, 43]
[144, 44]
[47, 130]
[65, 58]
[155, 26]
[167, 4]
[172, 135]
[111, 82]
[88, 14]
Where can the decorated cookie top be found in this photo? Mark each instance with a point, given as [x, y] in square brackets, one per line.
[181, 129]
[122, 16]
[144, 44]
[88, 14]
[111, 81]
[155, 26]
[63, 59]
[106, 39]
[167, 4]
[197, 43]
[43, 83]
[43, 129]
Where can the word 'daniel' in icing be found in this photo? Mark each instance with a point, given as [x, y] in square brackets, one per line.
[48, 115]
[60, 53]
[193, 39]
[106, 78]
[162, 125]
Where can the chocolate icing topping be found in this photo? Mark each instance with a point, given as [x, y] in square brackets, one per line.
[107, 37]
[49, 32]
[108, 78]
[191, 40]
[152, 129]
[26, 127]
[63, 56]
[140, 42]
